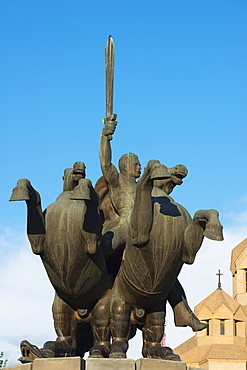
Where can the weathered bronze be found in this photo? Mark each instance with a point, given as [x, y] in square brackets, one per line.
[109, 68]
[123, 197]
[67, 238]
[113, 253]
[162, 237]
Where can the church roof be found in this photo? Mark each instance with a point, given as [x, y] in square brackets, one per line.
[215, 300]
[225, 351]
[236, 253]
[215, 351]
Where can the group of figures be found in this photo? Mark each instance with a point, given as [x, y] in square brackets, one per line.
[113, 254]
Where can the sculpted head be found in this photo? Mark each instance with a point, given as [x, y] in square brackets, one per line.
[178, 173]
[129, 165]
[79, 171]
[72, 176]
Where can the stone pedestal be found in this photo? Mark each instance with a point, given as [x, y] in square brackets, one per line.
[73, 363]
[109, 364]
[69, 363]
[76, 363]
[148, 364]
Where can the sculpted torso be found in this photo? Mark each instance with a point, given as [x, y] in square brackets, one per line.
[122, 195]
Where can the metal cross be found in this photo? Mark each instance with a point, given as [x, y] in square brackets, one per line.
[219, 283]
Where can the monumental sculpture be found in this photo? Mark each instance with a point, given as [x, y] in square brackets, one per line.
[67, 236]
[113, 253]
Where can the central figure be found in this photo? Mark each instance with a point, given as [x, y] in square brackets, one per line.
[117, 192]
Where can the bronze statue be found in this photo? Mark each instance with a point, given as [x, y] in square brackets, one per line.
[121, 198]
[67, 238]
[117, 205]
[113, 253]
[162, 237]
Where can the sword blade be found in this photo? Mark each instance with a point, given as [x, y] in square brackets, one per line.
[109, 72]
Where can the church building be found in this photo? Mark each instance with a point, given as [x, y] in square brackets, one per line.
[222, 345]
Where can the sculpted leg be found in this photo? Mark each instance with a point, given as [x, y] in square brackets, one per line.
[183, 315]
[100, 322]
[65, 324]
[120, 328]
[204, 223]
[152, 335]
[35, 218]
[213, 227]
[64, 320]
[65, 327]
[152, 331]
[115, 238]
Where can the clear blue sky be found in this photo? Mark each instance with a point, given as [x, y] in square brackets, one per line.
[180, 96]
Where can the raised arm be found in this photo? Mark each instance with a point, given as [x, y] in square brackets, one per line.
[105, 154]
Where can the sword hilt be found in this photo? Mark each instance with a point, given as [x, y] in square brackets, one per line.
[111, 117]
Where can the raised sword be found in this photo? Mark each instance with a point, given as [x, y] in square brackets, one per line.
[109, 79]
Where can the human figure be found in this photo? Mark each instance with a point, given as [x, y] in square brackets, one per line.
[122, 188]
[122, 192]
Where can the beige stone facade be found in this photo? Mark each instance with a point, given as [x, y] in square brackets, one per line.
[239, 272]
[223, 345]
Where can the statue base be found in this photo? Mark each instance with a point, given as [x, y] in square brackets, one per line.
[76, 363]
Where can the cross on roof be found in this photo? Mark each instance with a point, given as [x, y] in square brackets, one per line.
[219, 283]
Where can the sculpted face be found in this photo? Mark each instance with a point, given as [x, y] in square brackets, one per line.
[130, 166]
[133, 167]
